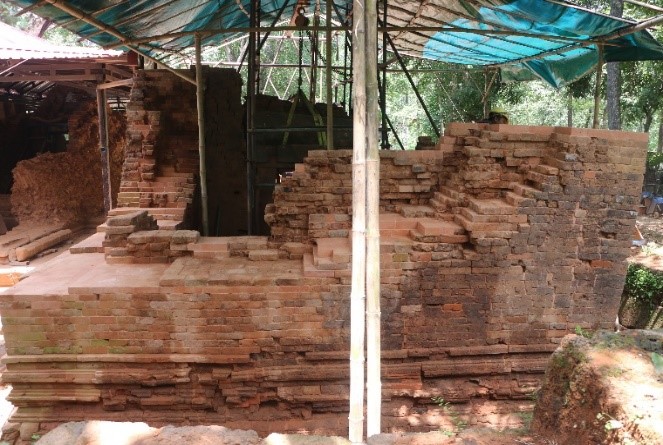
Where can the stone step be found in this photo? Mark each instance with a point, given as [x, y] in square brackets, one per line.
[310, 270]
[416, 211]
[487, 229]
[264, 255]
[394, 224]
[91, 244]
[429, 226]
[442, 202]
[526, 191]
[156, 212]
[436, 231]
[541, 178]
[475, 217]
[452, 193]
[329, 251]
[518, 200]
[325, 247]
[166, 224]
[546, 170]
[491, 207]
[210, 247]
[416, 235]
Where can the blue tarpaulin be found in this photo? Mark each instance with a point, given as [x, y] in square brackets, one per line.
[551, 40]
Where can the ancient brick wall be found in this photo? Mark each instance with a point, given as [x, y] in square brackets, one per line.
[478, 286]
[161, 169]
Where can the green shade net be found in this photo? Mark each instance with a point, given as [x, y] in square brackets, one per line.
[558, 47]
[550, 41]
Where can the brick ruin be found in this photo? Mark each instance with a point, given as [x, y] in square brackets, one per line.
[161, 167]
[494, 245]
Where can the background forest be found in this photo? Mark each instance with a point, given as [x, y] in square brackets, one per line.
[632, 93]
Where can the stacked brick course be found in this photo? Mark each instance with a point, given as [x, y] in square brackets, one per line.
[478, 286]
[135, 238]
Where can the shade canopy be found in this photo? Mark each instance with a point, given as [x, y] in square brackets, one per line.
[548, 39]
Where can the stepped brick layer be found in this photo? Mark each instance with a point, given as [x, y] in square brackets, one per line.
[493, 247]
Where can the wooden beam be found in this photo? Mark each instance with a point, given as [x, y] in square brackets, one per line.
[91, 20]
[51, 78]
[115, 84]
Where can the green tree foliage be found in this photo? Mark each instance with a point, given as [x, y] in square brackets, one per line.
[644, 285]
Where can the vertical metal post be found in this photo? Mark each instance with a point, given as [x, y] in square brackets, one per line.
[413, 85]
[383, 85]
[597, 89]
[104, 149]
[250, 114]
[200, 103]
[328, 77]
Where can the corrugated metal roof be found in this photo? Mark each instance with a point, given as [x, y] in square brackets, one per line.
[18, 45]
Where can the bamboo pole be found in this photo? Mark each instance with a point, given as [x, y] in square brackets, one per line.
[358, 285]
[373, 384]
[200, 102]
[597, 89]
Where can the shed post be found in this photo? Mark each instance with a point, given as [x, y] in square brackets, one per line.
[328, 76]
[373, 384]
[358, 284]
[200, 102]
[104, 148]
[597, 89]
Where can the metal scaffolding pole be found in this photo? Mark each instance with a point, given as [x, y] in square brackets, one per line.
[104, 149]
[200, 103]
[250, 121]
[383, 85]
[413, 85]
[328, 77]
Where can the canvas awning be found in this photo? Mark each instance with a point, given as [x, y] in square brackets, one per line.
[550, 39]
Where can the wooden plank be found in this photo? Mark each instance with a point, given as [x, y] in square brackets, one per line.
[51, 78]
[115, 84]
[29, 250]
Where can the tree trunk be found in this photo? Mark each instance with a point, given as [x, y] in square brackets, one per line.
[649, 118]
[614, 82]
[659, 147]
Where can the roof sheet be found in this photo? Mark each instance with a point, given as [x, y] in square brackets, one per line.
[18, 45]
[553, 40]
